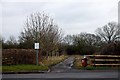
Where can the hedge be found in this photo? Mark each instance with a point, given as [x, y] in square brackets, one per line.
[18, 56]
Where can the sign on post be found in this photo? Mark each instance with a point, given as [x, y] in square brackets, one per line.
[36, 46]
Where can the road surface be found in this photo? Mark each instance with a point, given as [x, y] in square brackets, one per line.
[88, 75]
[64, 71]
[64, 67]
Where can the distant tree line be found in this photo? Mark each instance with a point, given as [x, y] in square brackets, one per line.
[105, 41]
[39, 27]
[83, 43]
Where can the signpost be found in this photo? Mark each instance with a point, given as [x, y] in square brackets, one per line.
[36, 46]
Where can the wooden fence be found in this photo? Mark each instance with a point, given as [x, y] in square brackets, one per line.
[104, 60]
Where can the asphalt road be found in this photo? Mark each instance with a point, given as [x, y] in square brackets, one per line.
[64, 71]
[64, 67]
[83, 75]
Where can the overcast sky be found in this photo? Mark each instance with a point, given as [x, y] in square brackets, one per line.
[72, 17]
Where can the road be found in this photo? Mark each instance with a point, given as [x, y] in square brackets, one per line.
[65, 66]
[87, 75]
[64, 71]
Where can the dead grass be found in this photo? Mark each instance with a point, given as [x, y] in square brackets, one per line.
[52, 60]
[77, 61]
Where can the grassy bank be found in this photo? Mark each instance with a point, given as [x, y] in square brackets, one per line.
[45, 64]
[24, 68]
[77, 62]
[98, 68]
[0, 68]
[50, 61]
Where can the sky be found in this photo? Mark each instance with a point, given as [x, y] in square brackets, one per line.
[72, 16]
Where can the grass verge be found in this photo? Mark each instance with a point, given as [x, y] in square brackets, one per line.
[51, 61]
[44, 65]
[77, 62]
[98, 68]
[16, 68]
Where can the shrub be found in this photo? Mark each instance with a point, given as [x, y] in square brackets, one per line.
[111, 49]
[18, 56]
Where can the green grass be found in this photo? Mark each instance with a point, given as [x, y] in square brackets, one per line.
[0, 68]
[24, 68]
[98, 68]
[46, 64]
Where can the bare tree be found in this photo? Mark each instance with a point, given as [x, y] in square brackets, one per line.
[110, 32]
[11, 41]
[1, 41]
[83, 43]
[91, 39]
[87, 38]
[39, 27]
[68, 39]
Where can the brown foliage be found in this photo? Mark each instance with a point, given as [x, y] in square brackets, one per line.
[111, 49]
[18, 56]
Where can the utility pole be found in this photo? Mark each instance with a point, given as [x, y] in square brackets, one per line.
[36, 46]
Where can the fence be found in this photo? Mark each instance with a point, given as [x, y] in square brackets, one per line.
[104, 60]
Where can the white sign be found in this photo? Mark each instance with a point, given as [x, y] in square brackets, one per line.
[36, 45]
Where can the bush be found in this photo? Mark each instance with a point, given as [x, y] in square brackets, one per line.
[111, 49]
[18, 56]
